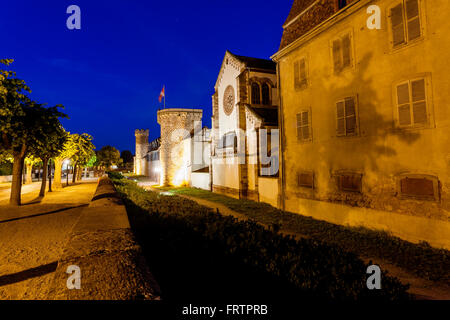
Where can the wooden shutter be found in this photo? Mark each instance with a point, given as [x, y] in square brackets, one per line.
[350, 183]
[398, 28]
[419, 104]
[346, 51]
[305, 125]
[403, 103]
[417, 187]
[305, 179]
[302, 71]
[340, 118]
[413, 18]
[337, 58]
[350, 116]
[299, 126]
[297, 75]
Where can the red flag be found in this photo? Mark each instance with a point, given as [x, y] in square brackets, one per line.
[161, 95]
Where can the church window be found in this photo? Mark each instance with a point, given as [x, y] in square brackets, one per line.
[265, 90]
[256, 95]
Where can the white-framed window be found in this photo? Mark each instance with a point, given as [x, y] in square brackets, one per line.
[300, 73]
[412, 103]
[342, 52]
[347, 117]
[405, 21]
[304, 129]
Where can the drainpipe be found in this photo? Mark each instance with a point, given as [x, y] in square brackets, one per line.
[282, 183]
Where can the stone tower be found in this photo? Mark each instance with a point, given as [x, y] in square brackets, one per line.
[176, 124]
[140, 161]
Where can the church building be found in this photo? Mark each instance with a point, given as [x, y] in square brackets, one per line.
[244, 106]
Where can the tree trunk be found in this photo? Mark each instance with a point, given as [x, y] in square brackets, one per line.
[58, 172]
[74, 174]
[79, 173]
[16, 185]
[50, 176]
[29, 178]
[44, 177]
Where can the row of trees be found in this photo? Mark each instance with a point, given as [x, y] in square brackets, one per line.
[30, 132]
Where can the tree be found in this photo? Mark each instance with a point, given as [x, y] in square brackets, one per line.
[69, 150]
[108, 156]
[30, 161]
[52, 138]
[22, 123]
[84, 152]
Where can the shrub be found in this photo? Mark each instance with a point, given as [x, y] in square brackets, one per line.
[194, 251]
[6, 168]
[115, 175]
[420, 259]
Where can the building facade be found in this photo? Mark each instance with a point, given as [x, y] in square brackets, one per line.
[244, 102]
[365, 123]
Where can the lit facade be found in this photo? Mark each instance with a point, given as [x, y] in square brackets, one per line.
[364, 116]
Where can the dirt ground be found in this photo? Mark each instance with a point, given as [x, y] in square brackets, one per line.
[32, 237]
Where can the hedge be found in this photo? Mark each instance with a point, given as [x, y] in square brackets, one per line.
[195, 252]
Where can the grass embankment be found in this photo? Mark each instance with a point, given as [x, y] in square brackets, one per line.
[194, 252]
[420, 259]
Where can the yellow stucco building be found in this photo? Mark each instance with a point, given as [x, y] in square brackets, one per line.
[364, 115]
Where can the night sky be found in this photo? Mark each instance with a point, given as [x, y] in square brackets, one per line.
[109, 74]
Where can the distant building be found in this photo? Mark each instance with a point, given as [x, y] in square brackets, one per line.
[244, 102]
[364, 115]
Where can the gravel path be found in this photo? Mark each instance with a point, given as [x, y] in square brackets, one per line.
[32, 238]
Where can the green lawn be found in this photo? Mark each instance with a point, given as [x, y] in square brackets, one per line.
[420, 259]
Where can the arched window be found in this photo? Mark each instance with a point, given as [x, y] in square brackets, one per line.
[265, 94]
[256, 99]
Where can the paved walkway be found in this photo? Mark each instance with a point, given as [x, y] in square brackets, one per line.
[422, 289]
[32, 237]
[5, 189]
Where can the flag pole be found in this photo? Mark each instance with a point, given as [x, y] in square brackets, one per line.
[164, 87]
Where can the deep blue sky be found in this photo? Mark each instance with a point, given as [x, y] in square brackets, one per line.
[109, 74]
